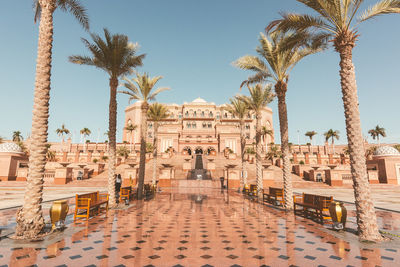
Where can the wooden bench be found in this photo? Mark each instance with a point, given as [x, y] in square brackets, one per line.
[313, 206]
[90, 202]
[274, 196]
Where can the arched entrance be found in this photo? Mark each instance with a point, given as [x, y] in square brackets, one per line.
[198, 151]
[188, 150]
[211, 150]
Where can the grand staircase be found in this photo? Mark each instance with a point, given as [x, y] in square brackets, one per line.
[199, 173]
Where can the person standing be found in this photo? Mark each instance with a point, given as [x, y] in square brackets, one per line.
[118, 182]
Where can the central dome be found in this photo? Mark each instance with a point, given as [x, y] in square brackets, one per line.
[199, 100]
[386, 151]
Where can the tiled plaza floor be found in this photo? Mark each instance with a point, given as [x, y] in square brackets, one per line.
[208, 229]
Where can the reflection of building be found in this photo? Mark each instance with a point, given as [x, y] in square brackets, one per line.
[386, 161]
[197, 127]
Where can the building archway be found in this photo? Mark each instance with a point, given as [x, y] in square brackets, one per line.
[198, 151]
[188, 150]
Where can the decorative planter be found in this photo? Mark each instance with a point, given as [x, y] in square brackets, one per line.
[339, 215]
[58, 212]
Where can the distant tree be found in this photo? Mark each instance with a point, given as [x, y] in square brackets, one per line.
[240, 109]
[17, 137]
[122, 151]
[61, 131]
[50, 155]
[376, 132]
[130, 128]
[85, 132]
[157, 113]
[331, 134]
[260, 96]
[397, 147]
[141, 88]
[310, 134]
[273, 152]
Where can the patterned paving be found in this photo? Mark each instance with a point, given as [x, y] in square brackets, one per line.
[209, 229]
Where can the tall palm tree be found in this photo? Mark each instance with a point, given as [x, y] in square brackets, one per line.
[278, 55]
[141, 88]
[260, 96]
[378, 131]
[239, 108]
[331, 134]
[85, 132]
[157, 113]
[30, 222]
[130, 128]
[117, 56]
[338, 21]
[310, 134]
[17, 136]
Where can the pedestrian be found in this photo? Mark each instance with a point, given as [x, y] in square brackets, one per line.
[118, 182]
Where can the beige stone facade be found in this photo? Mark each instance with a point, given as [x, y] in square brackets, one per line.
[197, 127]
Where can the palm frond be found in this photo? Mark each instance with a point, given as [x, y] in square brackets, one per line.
[381, 8]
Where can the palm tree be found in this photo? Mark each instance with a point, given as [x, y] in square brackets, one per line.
[85, 132]
[17, 136]
[278, 54]
[142, 91]
[264, 132]
[260, 96]
[50, 155]
[30, 222]
[156, 113]
[61, 131]
[123, 152]
[336, 20]
[273, 152]
[239, 108]
[378, 131]
[1, 140]
[331, 134]
[116, 56]
[310, 134]
[130, 128]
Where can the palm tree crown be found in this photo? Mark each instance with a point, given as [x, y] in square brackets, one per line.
[260, 96]
[310, 134]
[17, 136]
[157, 112]
[336, 19]
[143, 89]
[115, 54]
[238, 108]
[61, 131]
[85, 131]
[331, 134]
[378, 131]
[130, 128]
[69, 6]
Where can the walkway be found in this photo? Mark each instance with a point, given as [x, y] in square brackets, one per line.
[206, 228]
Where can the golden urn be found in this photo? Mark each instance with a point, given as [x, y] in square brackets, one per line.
[339, 215]
[58, 212]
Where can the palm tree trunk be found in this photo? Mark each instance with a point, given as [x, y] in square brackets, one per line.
[142, 163]
[258, 156]
[112, 127]
[366, 217]
[30, 222]
[280, 89]
[243, 178]
[153, 181]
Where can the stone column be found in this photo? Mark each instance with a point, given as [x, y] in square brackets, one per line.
[330, 156]
[77, 154]
[319, 161]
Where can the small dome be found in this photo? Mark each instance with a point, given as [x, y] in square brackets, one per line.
[10, 148]
[199, 100]
[386, 151]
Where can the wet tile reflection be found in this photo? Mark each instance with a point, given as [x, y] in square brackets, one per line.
[208, 229]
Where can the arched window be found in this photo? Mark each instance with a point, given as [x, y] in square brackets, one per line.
[218, 116]
[226, 115]
[187, 114]
[202, 114]
[195, 114]
[194, 125]
[150, 125]
[204, 125]
[209, 125]
[211, 114]
[188, 125]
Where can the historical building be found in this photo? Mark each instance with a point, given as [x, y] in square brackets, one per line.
[197, 127]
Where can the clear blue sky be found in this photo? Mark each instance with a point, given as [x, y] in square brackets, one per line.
[192, 44]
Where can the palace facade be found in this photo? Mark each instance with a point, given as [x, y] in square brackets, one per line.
[197, 127]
